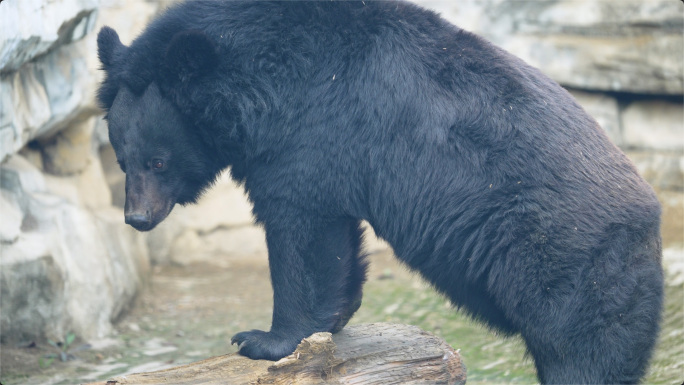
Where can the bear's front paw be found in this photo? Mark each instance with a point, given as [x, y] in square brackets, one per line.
[260, 345]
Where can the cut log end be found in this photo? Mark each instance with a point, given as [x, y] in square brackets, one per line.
[379, 353]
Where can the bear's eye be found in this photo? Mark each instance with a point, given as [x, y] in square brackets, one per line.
[157, 164]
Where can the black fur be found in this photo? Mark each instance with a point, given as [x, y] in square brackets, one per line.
[483, 174]
[191, 54]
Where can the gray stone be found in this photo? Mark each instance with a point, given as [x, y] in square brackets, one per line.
[32, 310]
[30, 28]
[661, 169]
[58, 73]
[101, 133]
[66, 268]
[10, 225]
[191, 246]
[46, 95]
[116, 179]
[21, 178]
[654, 124]
[87, 188]
[628, 45]
[224, 205]
[69, 151]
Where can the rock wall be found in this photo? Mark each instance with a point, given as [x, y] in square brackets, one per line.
[67, 261]
[624, 46]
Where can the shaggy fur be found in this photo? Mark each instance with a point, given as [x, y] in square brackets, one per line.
[483, 174]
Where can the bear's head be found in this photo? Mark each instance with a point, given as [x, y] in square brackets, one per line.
[157, 144]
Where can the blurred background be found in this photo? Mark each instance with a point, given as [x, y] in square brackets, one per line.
[84, 297]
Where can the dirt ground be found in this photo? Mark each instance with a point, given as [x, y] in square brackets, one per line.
[188, 313]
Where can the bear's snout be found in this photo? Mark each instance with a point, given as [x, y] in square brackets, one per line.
[146, 203]
[140, 221]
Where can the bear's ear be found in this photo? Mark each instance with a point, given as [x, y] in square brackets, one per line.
[109, 47]
[190, 54]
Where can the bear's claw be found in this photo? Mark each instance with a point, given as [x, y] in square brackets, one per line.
[261, 345]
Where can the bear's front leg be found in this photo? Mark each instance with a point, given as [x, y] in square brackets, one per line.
[316, 274]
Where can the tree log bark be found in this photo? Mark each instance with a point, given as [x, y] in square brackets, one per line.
[379, 353]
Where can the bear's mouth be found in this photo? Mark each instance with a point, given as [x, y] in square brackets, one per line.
[144, 226]
[146, 219]
[147, 224]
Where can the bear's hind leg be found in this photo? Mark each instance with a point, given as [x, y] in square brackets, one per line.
[607, 354]
[609, 335]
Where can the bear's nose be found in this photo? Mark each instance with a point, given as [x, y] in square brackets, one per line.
[138, 220]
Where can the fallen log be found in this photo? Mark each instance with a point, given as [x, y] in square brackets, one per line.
[379, 353]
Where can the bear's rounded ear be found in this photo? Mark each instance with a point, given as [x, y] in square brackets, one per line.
[190, 54]
[109, 47]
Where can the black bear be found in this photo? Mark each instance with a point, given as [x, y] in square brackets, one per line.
[483, 174]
